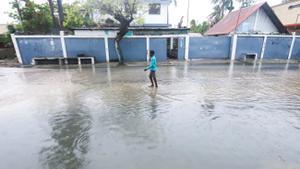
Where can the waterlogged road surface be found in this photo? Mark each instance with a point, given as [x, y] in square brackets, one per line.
[201, 116]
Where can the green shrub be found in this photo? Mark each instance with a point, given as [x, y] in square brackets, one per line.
[5, 40]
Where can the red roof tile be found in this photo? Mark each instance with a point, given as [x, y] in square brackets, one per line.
[233, 20]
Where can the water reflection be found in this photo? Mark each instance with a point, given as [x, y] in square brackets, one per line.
[219, 116]
[127, 113]
[153, 104]
[70, 138]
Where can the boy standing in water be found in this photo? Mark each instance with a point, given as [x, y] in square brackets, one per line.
[152, 67]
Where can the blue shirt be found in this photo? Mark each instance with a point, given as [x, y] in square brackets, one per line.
[152, 66]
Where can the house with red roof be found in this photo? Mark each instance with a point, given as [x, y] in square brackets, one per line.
[257, 19]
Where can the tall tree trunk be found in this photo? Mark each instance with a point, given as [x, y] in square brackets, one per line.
[119, 52]
[123, 29]
[54, 20]
[61, 14]
[17, 3]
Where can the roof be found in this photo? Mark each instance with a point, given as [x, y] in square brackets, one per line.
[235, 18]
[288, 13]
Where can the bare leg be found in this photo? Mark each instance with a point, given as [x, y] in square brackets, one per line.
[154, 79]
[150, 77]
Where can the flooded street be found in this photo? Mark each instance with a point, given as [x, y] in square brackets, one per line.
[201, 116]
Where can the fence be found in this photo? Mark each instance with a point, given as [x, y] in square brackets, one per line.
[135, 47]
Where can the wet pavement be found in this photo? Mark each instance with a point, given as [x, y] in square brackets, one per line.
[201, 116]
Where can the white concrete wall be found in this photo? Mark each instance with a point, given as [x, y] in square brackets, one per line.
[264, 23]
[257, 22]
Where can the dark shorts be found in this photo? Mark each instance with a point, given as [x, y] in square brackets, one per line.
[152, 73]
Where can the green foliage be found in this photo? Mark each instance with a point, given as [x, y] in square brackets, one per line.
[220, 9]
[77, 16]
[36, 18]
[121, 10]
[200, 28]
[5, 39]
[32, 17]
[246, 3]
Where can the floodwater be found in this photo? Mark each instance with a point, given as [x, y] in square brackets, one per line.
[201, 116]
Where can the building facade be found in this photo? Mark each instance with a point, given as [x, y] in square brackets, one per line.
[157, 13]
[256, 19]
[289, 15]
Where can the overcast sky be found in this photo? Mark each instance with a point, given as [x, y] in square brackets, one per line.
[199, 9]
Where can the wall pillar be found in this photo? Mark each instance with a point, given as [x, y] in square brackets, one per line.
[148, 48]
[292, 46]
[63, 43]
[233, 46]
[263, 48]
[16, 46]
[187, 47]
[106, 49]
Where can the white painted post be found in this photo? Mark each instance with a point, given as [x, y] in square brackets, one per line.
[17, 50]
[263, 47]
[233, 46]
[187, 47]
[292, 46]
[256, 20]
[79, 61]
[106, 49]
[148, 47]
[63, 44]
[93, 60]
[171, 42]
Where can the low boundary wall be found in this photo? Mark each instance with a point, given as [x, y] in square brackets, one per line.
[135, 47]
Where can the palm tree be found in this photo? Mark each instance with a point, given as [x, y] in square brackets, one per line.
[246, 3]
[220, 9]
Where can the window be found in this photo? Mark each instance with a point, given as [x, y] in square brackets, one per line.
[154, 9]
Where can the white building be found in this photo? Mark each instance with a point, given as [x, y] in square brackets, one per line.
[259, 18]
[154, 13]
[157, 13]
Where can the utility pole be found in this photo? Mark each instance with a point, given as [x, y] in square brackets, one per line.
[188, 15]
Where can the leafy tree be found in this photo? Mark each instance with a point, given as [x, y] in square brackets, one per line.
[54, 19]
[220, 9]
[200, 28]
[246, 3]
[40, 19]
[5, 39]
[223, 7]
[123, 11]
[77, 16]
[32, 17]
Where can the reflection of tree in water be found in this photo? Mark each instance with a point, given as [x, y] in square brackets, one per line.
[130, 112]
[70, 135]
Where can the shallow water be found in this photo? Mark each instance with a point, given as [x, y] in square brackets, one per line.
[201, 116]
